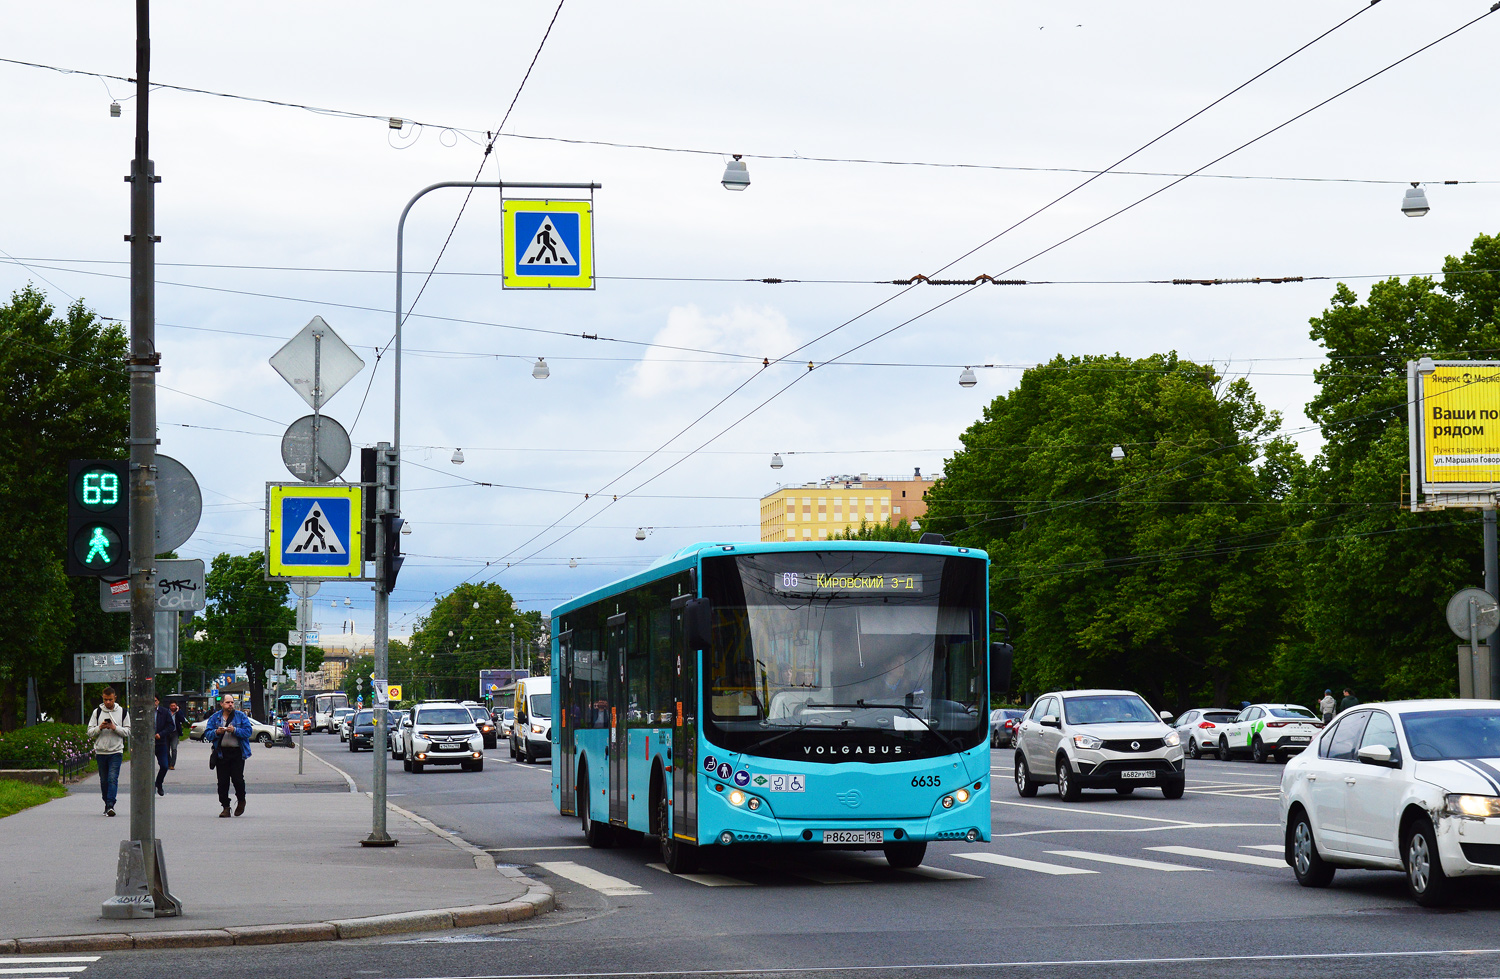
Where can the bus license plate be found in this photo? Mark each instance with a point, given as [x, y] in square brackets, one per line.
[1138, 773]
[854, 836]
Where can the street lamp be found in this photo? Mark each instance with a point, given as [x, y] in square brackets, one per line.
[776, 462]
[458, 457]
[1414, 204]
[736, 174]
[540, 370]
[967, 378]
[1117, 453]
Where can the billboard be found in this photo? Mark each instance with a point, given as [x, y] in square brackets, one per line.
[1453, 414]
[490, 681]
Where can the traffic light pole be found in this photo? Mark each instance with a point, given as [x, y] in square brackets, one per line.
[143, 363]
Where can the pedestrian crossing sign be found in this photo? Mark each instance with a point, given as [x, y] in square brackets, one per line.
[548, 244]
[314, 531]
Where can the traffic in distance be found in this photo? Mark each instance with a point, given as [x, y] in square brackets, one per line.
[836, 696]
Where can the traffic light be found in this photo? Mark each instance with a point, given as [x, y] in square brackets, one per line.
[98, 543]
[393, 555]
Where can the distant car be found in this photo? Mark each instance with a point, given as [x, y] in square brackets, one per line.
[531, 734]
[1003, 724]
[505, 721]
[1266, 730]
[298, 721]
[1097, 739]
[441, 733]
[1409, 786]
[393, 724]
[362, 730]
[485, 723]
[1200, 727]
[336, 720]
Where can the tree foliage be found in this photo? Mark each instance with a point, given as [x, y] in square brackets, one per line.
[246, 616]
[65, 396]
[468, 630]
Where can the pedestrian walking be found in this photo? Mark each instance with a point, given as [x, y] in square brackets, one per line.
[230, 732]
[1349, 700]
[166, 737]
[180, 722]
[1328, 706]
[109, 726]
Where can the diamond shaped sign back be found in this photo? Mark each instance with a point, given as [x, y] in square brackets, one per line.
[336, 364]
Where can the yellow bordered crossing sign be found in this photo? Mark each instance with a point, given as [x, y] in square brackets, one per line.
[314, 530]
[548, 244]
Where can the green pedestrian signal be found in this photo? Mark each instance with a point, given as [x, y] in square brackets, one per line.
[98, 518]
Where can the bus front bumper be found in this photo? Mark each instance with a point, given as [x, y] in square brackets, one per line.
[722, 822]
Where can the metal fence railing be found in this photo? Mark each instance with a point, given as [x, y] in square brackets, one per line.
[68, 767]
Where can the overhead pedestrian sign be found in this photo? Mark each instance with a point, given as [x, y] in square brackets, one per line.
[313, 531]
[548, 244]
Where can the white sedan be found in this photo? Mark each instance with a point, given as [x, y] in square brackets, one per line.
[1264, 730]
[264, 733]
[1412, 786]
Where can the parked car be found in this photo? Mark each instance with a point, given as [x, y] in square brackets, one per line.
[442, 733]
[1097, 739]
[362, 730]
[264, 733]
[531, 732]
[1412, 786]
[1265, 730]
[393, 723]
[1003, 724]
[485, 723]
[1199, 729]
[336, 720]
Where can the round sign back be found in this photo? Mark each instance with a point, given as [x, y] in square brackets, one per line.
[1486, 613]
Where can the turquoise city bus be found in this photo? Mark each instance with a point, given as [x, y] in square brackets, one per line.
[833, 693]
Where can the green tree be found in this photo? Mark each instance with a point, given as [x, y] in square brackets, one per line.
[246, 616]
[1162, 571]
[899, 531]
[1376, 576]
[468, 630]
[65, 396]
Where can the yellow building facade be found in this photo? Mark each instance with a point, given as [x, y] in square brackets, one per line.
[815, 511]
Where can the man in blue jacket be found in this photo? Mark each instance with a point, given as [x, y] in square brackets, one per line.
[230, 733]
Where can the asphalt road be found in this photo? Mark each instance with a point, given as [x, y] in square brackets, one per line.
[1109, 886]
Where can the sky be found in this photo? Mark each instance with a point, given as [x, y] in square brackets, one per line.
[270, 215]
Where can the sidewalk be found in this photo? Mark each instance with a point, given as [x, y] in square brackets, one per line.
[290, 869]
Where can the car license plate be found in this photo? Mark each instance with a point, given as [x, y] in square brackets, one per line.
[1138, 773]
[854, 836]
[1299, 740]
[448, 747]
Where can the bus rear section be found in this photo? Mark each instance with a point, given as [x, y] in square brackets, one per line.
[324, 704]
[828, 695]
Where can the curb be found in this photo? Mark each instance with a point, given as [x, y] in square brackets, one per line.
[537, 900]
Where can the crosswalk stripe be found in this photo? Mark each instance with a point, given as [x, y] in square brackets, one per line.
[828, 877]
[593, 879]
[32, 959]
[41, 971]
[939, 873]
[1035, 866]
[707, 880]
[1193, 851]
[1125, 861]
[1268, 847]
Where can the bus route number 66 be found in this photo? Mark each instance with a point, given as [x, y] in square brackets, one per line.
[929, 781]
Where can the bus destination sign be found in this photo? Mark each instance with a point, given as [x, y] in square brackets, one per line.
[818, 584]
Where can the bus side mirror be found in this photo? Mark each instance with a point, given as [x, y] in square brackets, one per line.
[697, 623]
[1001, 656]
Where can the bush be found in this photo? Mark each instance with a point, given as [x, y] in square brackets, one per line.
[46, 744]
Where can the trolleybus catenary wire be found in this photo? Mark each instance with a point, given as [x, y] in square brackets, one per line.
[903, 291]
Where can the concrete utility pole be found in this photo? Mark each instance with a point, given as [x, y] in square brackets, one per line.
[142, 363]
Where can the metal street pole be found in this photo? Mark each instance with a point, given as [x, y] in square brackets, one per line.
[512, 652]
[142, 364]
[388, 495]
[1491, 585]
[302, 693]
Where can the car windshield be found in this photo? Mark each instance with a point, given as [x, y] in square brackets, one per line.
[444, 715]
[479, 714]
[541, 705]
[1436, 735]
[1220, 716]
[1301, 713]
[364, 717]
[510, 714]
[1108, 709]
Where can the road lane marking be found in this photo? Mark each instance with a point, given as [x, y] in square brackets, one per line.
[593, 879]
[828, 877]
[1082, 811]
[1135, 829]
[1035, 866]
[938, 873]
[528, 849]
[1193, 851]
[1126, 861]
[1268, 847]
[41, 971]
[707, 880]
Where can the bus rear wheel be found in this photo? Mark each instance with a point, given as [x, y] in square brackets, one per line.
[597, 835]
[680, 857]
[905, 854]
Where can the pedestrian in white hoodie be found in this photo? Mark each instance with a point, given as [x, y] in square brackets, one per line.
[109, 727]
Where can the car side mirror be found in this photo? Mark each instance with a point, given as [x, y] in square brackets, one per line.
[697, 623]
[1165, 715]
[1050, 720]
[1377, 754]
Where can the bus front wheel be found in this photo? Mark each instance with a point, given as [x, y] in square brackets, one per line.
[905, 854]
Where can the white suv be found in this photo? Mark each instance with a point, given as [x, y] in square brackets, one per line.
[1097, 739]
[441, 734]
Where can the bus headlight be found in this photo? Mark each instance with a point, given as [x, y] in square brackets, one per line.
[947, 802]
[754, 803]
[962, 795]
[736, 798]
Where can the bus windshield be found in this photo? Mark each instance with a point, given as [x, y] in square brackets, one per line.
[846, 642]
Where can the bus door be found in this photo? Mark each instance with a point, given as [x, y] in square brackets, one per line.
[563, 701]
[684, 730]
[619, 744]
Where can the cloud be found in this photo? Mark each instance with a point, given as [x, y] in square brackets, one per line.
[755, 331]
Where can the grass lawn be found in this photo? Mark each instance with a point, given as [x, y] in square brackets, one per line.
[15, 796]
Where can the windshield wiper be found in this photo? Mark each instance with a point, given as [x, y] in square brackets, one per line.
[953, 745]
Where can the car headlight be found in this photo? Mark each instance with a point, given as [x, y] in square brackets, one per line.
[1472, 806]
[536, 729]
[1087, 741]
[1172, 740]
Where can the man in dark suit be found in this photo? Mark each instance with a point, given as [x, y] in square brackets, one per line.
[166, 739]
[179, 717]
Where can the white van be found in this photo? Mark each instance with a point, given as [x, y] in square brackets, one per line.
[531, 733]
